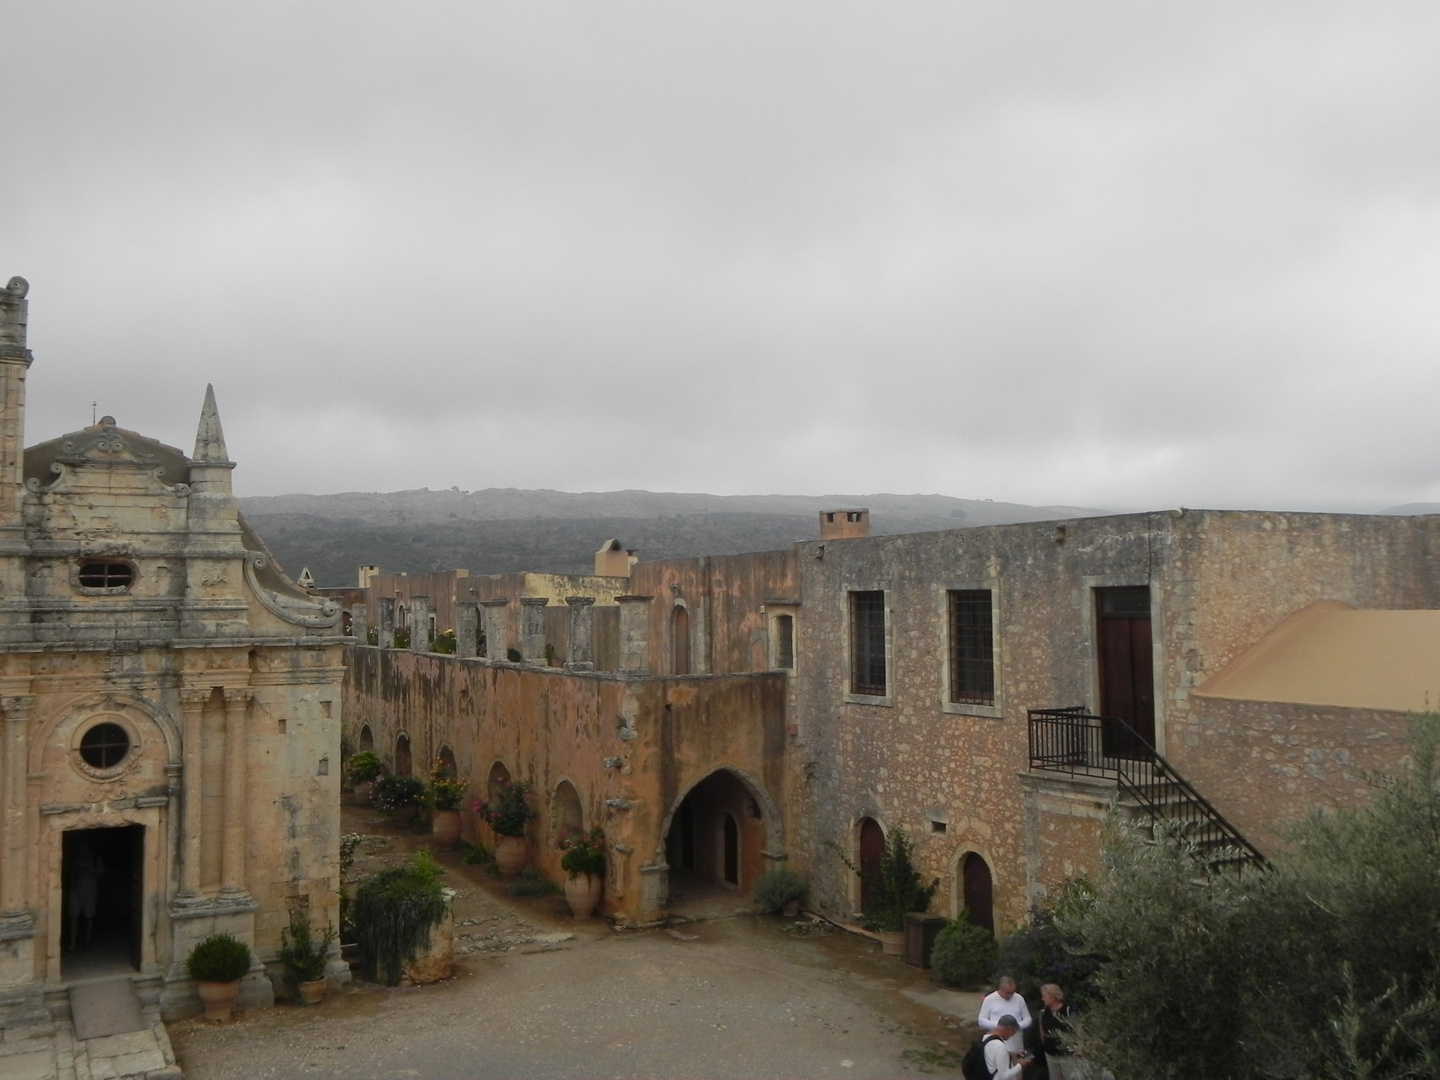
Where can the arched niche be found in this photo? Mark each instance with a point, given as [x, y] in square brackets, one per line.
[404, 765]
[566, 812]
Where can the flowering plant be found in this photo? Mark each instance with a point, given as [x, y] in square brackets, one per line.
[444, 792]
[584, 851]
[509, 809]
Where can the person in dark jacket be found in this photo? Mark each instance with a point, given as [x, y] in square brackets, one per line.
[1056, 1018]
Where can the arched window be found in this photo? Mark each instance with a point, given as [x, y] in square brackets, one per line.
[680, 640]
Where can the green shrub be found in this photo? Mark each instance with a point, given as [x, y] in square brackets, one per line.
[964, 954]
[396, 791]
[584, 851]
[530, 882]
[219, 958]
[395, 911]
[402, 637]
[776, 888]
[897, 889]
[304, 953]
[478, 855]
[366, 765]
[444, 643]
[1041, 953]
[513, 655]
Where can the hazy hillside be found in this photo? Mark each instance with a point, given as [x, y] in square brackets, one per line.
[503, 529]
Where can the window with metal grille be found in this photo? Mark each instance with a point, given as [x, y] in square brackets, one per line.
[104, 746]
[106, 574]
[867, 643]
[784, 641]
[972, 647]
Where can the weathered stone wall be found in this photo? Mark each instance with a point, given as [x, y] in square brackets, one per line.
[631, 747]
[725, 596]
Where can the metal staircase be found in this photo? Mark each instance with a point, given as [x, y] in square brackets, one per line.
[1076, 742]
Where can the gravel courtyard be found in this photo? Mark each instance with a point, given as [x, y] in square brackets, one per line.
[538, 994]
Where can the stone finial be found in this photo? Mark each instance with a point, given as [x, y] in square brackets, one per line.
[209, 438]
[14, 311]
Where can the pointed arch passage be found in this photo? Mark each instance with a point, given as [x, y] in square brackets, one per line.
[721, 831]
[566, 813]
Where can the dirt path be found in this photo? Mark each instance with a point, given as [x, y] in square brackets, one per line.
[540, 994]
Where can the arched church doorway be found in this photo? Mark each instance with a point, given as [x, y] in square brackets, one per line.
[978, 891]
[102, 898]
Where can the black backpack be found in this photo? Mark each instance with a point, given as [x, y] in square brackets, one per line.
[973, 1066]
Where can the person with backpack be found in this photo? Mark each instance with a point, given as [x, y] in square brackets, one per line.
[988, 1059]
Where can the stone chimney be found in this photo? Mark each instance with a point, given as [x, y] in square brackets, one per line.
[844, 524]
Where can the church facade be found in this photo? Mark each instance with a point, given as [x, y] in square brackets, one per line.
[169, 713]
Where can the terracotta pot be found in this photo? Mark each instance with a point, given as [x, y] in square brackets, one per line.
[218, 999]
[583, 892]
[364, 792]
[892, 943]
[511, 854]
[311, 993]
[445, 827]
[791, 909]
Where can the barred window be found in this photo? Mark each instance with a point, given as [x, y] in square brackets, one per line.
[972, 650]
[867, 643]
[106, 574]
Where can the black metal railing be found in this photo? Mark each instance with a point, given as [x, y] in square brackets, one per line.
[1073, 741]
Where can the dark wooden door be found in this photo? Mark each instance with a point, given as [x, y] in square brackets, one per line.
[872, 844]
[1127, 681]
[978, 892]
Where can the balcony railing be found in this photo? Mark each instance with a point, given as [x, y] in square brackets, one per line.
[1073, 741]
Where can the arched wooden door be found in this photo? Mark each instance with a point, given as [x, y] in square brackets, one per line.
[872, 844]
[978, 891]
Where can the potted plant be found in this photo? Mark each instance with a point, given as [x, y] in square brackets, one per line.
[508, 811]
[584, 865]
[896, 890]
[778, 891]
[305, 955]
[399, 796]
[365, 768]
[217, 965]
[443, 797]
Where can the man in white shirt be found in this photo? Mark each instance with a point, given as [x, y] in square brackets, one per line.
[1002, 1064]
[1006, 1001]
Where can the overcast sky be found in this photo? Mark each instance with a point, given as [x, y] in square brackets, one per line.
[1119, 255]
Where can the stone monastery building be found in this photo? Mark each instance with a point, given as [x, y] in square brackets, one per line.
[993, 690]
[169, 711]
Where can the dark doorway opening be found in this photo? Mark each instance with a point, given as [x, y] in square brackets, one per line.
[102, 898]
[680, 640]
[872, 845]
[1127, 680]
[978, 891]
[732, 850]
[715, 844]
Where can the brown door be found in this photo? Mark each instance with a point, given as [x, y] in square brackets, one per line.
[978, 892]
[872, 844]
[732, 851]
[1127, 684]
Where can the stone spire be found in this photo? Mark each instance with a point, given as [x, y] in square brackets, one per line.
[209, 439]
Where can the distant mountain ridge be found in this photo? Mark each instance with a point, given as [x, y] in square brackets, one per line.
[498, 530]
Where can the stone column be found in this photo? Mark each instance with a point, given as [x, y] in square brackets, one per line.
[496, 616]
[420, 609]
[532, 628]
[634, 633]
[237, 704]
[358, 627]
[467, 628]
[387, 622]
[16, 836]
[582, 620]
[192, 709]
